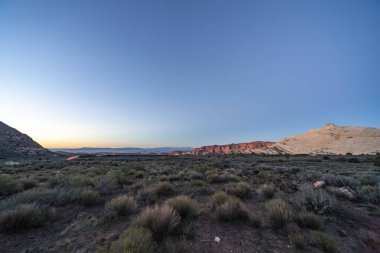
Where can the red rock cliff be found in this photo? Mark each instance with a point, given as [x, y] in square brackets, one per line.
[248, 148]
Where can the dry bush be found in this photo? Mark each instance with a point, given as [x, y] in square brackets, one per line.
[232, 209]
[308, 220]
[9, 185]
[279, 212]
[240, 189]
[268, 190]
[297, 241]
[123, 205]
[165, 189]
[219, 198]
[135, 240]
[161, 220]
[370, 194]
[314, 200]
[88, 197]
[324, 242]
[185, 206]
[25, 216]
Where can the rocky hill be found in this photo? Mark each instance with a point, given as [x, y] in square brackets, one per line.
[256, 147]
[332, 139]
[13, 142]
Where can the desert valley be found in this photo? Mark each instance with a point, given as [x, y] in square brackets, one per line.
[314, 192]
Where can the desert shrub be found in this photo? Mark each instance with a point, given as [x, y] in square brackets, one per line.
[376, 161]
[161, 220]
[341, 181]
[28, 183]
[309, 220]
[232, 209]
[254, 219]
[370, 194]
[25, 216]
[369, 180]
[56, 197]
[240, 189]
[165, 189]
[279, 212]
[122, 205]
[105, 184]
[268, 190]
[118, 177]
[88, 197]
[221, 178]
[297, 241]
[219, 198]
[135, 240]
[174, 245]
[9, 185]
[324, 242]
[81, 181]
[185, 206]
[314, 200]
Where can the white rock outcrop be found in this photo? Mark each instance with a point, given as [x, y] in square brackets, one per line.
[332, 139]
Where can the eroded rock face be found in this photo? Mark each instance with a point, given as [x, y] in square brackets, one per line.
[256, 147]
[332, 139]
[13, 142]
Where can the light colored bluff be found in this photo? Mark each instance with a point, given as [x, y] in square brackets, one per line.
[332, 139]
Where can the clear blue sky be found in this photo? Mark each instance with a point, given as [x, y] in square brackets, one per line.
[186, 72]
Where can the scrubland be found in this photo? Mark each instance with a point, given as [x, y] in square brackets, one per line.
[232, 203]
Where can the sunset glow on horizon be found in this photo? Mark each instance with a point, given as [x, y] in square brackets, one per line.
[186, 73]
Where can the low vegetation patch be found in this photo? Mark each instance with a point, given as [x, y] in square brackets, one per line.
[185, 206]
[308, 220]
[8, 185]
[135, 240]
[268, 190]
[231, 209]
[165, 189]
[324, 242]
[314, 200]
[161, 220]
[123, 205]
[279, 212]
[239, 189]
[25, 216]
[88, 197]
[297, 241]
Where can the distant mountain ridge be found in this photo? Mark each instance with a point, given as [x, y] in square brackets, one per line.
[126, 150]
[14, 143]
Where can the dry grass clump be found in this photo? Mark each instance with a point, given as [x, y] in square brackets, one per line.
[221, 178]
[219, 198]
[161, 220]
[135, 240]
[297, 241]
[185, 206]
[370, 194]
[28, 183]
[9, 185]
[230, 208]
[314, 200]
[369, 238]
[279, 212]
[254, 219]
[25, 216]
[88, 197]
[123, 205]
[324, 242]
[308, 220]
[268, 190]
[165, 189]
[240, 189]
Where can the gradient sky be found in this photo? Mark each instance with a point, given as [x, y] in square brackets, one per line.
[186, 72]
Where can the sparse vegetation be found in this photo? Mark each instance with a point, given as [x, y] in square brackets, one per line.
[314, 200]
[185, 206]
[161, 220]
[9, 185]
[135, 240]
[25, 216]
[122, 205]
[177, 204]
[279, 212]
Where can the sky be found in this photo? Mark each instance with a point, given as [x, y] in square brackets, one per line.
[186, 72]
